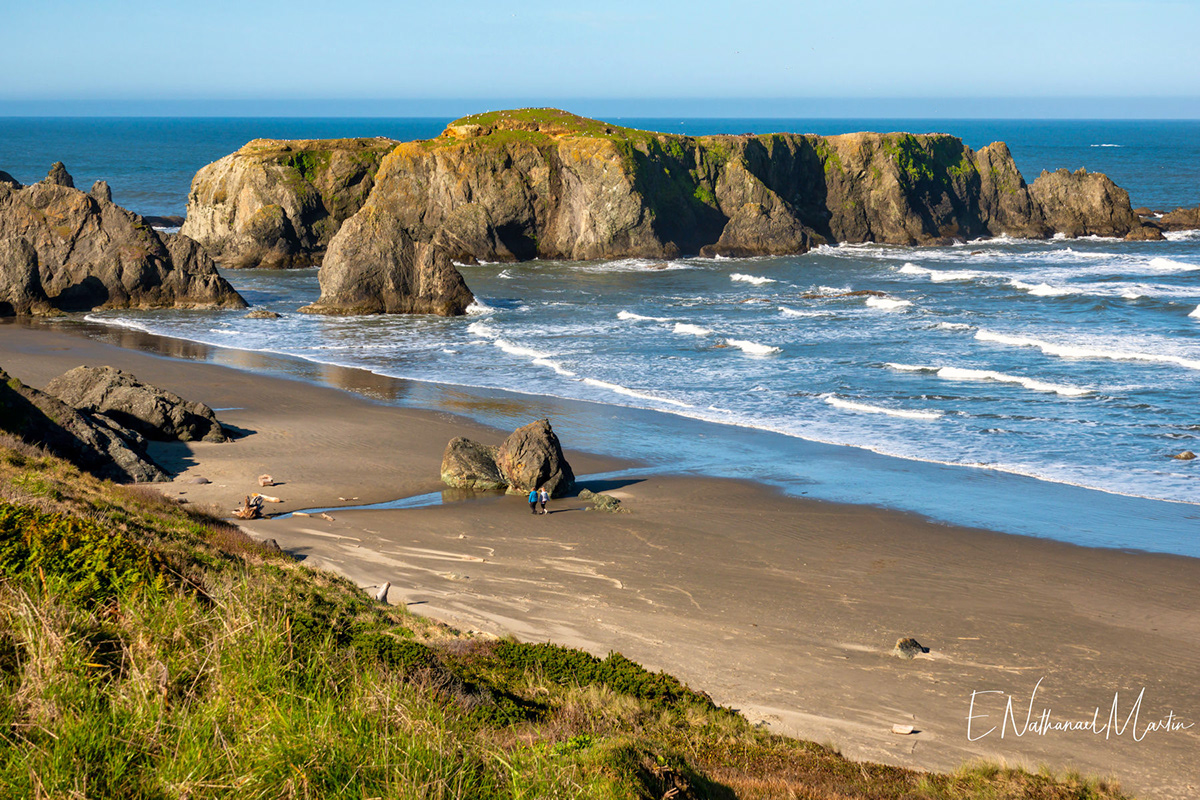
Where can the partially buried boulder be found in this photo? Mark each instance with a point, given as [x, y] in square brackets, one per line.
[90, 441]
[471, 465]
[531, 457]
[152, 412]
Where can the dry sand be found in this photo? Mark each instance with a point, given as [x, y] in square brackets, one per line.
[783, 608]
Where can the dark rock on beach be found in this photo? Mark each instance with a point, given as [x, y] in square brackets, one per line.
[62, 249]
[531, 458]
[471, 465]
[91, 442]
[263, 313]
[908, 648]
[152, 412]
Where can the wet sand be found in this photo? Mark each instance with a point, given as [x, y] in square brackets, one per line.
[781, 607]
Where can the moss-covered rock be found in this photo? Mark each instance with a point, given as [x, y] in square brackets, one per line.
[277, 203]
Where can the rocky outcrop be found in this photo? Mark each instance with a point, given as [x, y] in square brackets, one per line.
[278, 203]
[530, 458]
[376, 268]
[150, 411]
[90, 441]
[1181, 219]
[1083, 203]
[62, 249]
[540, 183]
[471, 465]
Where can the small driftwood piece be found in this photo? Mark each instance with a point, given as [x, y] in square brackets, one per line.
[381, 595]
[251, 507]
[266, 480]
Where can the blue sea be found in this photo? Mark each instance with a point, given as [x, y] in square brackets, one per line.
[1029, 387]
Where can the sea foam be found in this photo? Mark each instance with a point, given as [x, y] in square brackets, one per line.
[1170, 265]
[1076, 351]
[1195, 312]
[632, 317]
[940, 275]
[850, 405]
[887, 303]
[739, 277]
[961, 374]
[1042, 289]
[625, 390]
[753, 348]
[684, 328]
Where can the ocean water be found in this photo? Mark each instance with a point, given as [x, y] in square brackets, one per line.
[1031, 387]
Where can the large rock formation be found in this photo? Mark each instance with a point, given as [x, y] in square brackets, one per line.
[92, 442]
[374, 267]
[530, 458]
[153, 412]
[1083, 203]
[278, 203]
[541, 183]
[62, 249]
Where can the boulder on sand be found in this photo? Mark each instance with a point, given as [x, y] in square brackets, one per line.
[471, 465]
[155, 413]
[91, 442]
[531, 457]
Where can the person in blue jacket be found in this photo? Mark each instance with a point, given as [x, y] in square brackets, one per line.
[533, 500]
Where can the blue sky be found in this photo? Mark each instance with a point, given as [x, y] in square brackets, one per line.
[764, 58]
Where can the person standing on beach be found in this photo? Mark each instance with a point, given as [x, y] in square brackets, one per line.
[533, 498]
[543, 496]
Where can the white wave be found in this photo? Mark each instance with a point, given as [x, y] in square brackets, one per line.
[850, 405]
[1170, 265]
[1181, 236]
[1106, 145]
[954, 326]
[684, 328]
[172, 229]
[483, 329]
[554, 365]
[517, 350]
[479, 308]
[1042, 289]
[1132, 294]
[505, 274]
[117, 322]
[940, 275]
[631, 265]
[629, 315]
[792, 312]
[752, 348]
[961, 374]
[625, 390]
[1076, 351]
[738, 277]
[448, 351]
[887, 303]
[1195, 312]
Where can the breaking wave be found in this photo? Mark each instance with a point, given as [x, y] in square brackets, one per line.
[684, 328]
[940, 275]
[753, 348]
[887, 303]
[739, 277]
[961, 374]
[1077, 351]
[850, 405]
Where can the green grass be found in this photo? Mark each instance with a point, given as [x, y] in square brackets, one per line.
[152, 651]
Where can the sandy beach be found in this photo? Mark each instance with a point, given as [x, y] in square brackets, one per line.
[783, 608]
